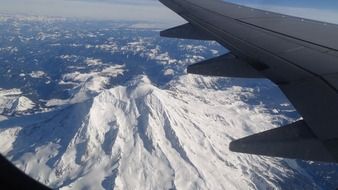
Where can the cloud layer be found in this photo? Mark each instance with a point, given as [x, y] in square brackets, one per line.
[151, 11]
[145, 10]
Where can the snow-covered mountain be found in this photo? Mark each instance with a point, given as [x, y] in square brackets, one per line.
[141, 137]
[12, 101]
[101, 106]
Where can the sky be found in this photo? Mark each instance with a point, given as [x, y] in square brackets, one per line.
[153, 11]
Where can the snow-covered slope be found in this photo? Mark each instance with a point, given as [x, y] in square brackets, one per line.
[12, 101]
[138, 136]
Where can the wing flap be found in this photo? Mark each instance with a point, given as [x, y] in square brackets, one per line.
[224, 66]
[292, 141]
[186, 31]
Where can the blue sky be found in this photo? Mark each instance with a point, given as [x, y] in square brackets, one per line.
[153, 11]
[322, 10]
[324, 4]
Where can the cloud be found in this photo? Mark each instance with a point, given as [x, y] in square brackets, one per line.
[133, 2]
[141, 10]
[151, 11]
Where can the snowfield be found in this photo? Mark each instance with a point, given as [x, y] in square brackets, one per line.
[141, 137]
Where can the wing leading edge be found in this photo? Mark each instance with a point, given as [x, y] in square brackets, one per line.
[299, 55]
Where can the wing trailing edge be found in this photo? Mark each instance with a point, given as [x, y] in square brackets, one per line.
[292, 141]
[186, 31]
[224, 66]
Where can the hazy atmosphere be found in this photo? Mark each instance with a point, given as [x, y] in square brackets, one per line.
[153, 11]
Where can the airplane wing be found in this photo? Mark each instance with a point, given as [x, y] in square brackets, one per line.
[299, 55]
